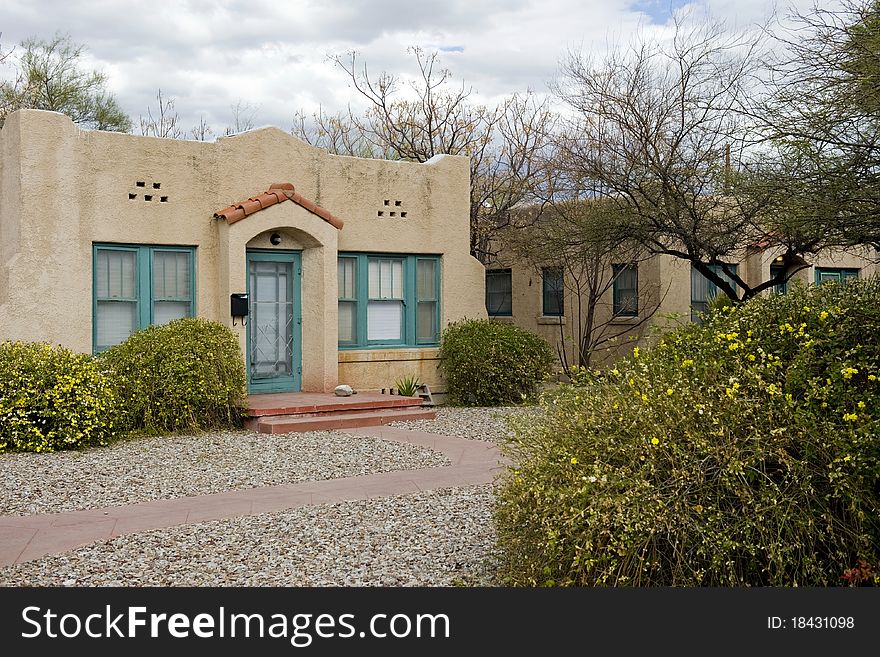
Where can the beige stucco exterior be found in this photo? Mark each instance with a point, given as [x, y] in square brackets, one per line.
[665, 293]
[63, 189]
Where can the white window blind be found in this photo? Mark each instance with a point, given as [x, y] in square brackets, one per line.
[384, 320]
[115, 322]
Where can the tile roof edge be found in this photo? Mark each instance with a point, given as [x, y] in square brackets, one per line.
[276, 193]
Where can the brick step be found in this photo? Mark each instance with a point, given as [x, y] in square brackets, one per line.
[341, 420]
[372, 403]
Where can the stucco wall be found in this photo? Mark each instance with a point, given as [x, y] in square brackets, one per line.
[665, 283]
[63, 189]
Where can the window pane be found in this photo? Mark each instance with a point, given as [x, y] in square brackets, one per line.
[498, 292]
[116, 321]
[425, 321]
[626, 290]
[267, 281]
[776, 270]
[426, 279]
[384, 320]
[699, 287]
[171, 275]
[346, 275]
[165, 311]
[116, 274]
[373, 279]
[347, 321]
[385, 278]
[553, 292]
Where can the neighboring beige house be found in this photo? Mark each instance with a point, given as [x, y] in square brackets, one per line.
[661, 290]
[351, 266]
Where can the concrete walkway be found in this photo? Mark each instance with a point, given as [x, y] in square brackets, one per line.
[23, 538]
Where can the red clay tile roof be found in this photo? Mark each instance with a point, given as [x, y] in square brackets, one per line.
[277, 193]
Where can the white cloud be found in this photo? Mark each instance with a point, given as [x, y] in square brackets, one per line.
[271, 54]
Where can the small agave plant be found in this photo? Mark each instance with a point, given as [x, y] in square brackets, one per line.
[408, 386]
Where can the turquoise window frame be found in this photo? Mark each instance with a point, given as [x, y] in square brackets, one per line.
[506, 275]
[700, 306]
[841, 274]
[408, 333]
[552, 292]
[143, 283]
[619, 307]
[782, 288]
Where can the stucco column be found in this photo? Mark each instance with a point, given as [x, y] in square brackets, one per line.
[317, 241]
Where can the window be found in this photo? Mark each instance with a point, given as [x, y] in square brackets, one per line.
[388, 300]
[835, 274]
[136, 286]
[703, 290]
[626, 290]
[499, 299]
[776, 270]
[552, 292]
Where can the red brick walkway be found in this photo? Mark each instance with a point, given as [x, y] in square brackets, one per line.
[23, 538]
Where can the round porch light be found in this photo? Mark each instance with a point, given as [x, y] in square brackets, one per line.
[275, 239]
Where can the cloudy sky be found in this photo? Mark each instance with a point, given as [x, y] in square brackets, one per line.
[271, 56]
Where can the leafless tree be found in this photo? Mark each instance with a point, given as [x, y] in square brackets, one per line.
[165, 123]
[433, 116]
[202, 131]
[244, 116]
[577, 237]
[661, 132]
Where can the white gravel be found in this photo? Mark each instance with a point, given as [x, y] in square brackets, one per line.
[469, 422]
[433, 538]
[143, 469]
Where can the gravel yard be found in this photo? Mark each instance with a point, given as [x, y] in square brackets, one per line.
[424, 539]
[471, 423]
[143, 469]
[431, 538]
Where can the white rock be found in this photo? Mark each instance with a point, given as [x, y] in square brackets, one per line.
[344, 391]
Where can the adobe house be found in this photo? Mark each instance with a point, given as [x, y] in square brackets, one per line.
[347, 268]
[659, 291]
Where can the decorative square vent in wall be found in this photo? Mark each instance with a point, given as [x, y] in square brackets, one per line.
[391, 208]
[150, 192]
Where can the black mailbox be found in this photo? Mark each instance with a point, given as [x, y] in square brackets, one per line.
[238, 304]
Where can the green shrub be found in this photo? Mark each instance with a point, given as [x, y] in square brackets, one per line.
[743, 451]
[184, 375]
[488, 364]
[52, 398]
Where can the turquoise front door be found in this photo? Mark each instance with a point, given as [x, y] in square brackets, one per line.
[275, 321]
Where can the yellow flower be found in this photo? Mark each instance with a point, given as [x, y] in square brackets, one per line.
[574, 461]
[635, 352]
[615, 372]
[872, 377]
[752, 357]
[850, 417]
[654, 441]
[861, 404]
[848, 372]
[773, 389]
[669, 391]
[823, 315]
[687, 362]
